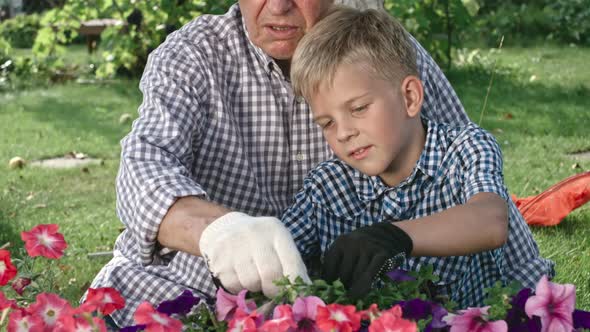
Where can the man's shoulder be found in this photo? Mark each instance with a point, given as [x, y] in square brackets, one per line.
[209, 31]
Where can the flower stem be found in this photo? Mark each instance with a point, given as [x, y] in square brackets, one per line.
[4, 314]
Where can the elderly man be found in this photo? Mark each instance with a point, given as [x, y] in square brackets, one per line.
[219, 150]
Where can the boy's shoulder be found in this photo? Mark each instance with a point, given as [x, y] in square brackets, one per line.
[466, 138]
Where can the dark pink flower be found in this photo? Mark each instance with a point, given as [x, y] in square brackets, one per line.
[155, 321]
[7, 270]
[554, 304]
[227, 304]
[475, 320]
[44, 240]
[20, 284]
[342, 318]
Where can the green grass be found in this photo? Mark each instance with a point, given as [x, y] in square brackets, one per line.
[537, 124]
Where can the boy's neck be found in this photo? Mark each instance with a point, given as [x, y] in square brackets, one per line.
[403, 169]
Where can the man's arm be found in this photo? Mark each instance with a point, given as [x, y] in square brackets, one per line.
[185, 221]
[479, 225]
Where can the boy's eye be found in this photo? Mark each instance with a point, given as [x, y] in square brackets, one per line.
[326, 124]
[359, 108]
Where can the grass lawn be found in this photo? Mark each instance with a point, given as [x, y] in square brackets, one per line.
[537, 122]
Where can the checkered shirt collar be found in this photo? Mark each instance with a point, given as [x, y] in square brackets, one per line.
[369, 188]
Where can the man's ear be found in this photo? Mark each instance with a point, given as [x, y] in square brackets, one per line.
[413, 95]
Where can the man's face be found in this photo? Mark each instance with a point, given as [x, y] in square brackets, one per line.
[276, 26]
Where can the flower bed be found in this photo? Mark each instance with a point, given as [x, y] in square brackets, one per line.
[404, 303]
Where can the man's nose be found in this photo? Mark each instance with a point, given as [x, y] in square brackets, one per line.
[279, 7]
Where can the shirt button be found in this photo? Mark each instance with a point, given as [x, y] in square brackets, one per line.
[300, 156]
[300, 99]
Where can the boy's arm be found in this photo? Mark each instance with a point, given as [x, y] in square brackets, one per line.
[480, 224]
[299, 219]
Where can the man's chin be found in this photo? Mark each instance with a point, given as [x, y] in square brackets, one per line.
[281, 52]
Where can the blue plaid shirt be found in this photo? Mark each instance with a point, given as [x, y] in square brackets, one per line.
[456, 164]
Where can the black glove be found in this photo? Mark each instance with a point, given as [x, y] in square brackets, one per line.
[361, 256]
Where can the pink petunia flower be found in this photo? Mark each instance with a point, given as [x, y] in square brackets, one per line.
[20, 284]
[44, 240]
[554, 304]
[475, 320]
[155, 321]
[104, 299]
[305, 313]
[227, 304]
[392, 321]
[6, 303]
[50, 308]
[7, 270]
[281, 321]
[342, 318]
[20, 321]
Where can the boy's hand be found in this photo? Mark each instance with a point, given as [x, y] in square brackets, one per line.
[358, 258]
[245, 252]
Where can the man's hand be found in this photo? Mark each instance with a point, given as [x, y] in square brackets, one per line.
[246, 252]
[359, 257]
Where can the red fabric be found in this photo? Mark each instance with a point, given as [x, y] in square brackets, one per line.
[552, 205]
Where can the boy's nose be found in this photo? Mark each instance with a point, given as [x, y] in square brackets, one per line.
[279, 7]
[344, 133]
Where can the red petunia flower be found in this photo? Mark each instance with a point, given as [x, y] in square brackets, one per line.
[155, 321]
[6, 303]
[7, 270]
[282, 320]
[392, 321]
[244, 322]
[49, 307]
[20, 320]
[105, 299]
[69, 323]
[342, 318]
[44, 240]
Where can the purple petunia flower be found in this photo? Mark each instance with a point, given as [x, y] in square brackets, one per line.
[581, 319]
[399, 275]
[181, 305]
[516, 317]
[133, 328]
[417, 309]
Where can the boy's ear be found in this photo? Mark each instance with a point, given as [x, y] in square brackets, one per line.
[413, 95]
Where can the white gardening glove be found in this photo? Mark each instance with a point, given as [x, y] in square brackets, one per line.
[246, 252]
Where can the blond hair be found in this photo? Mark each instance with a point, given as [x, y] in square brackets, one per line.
[345, 36]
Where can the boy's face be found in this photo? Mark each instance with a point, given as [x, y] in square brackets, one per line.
[276, 26]
[369, 123]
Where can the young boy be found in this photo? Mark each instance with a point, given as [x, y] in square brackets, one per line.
[403, 191]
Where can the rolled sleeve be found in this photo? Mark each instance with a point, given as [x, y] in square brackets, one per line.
[482, 158]
[157, 156]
